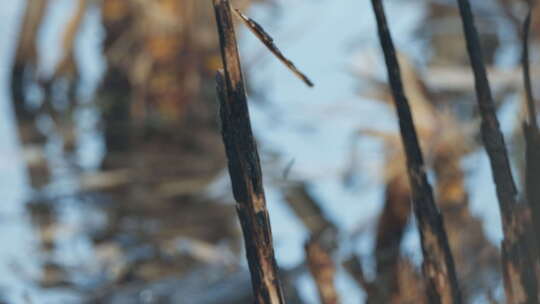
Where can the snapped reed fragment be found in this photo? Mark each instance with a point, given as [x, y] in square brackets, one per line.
[268, 41]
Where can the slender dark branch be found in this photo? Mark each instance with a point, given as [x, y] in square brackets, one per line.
[525, 61]
[517, 252]
[438, 265]
[491, 133]
[244, 165]
[268, 41]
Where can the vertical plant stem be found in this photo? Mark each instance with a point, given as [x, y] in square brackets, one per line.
[532, 134]
[438, 263]
[491, 133]
[525, 61]
[244, 165]
[518, 262]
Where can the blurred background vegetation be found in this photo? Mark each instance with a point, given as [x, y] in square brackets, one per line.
[114, 172]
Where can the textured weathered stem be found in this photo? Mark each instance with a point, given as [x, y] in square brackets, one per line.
[518, 263]
[244, 165]
[438, 265]
[323, 270]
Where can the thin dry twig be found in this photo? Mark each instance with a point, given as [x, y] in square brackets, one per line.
[244, 165]
[268, 41]
[518, 262]
[323, 270]
[322, 242]
[438, 263]
[308, 210]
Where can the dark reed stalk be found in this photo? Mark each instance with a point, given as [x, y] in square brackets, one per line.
[244, 165]
[517, 260]
[438, 264]
[532, 134]
[525, 61]
[491, 133]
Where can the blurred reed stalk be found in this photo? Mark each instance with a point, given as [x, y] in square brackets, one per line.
[322, 243]
[26, 57]
[438, 264]
[322, 269]
[244, 165]
[532, 134]
[519, 263]
[67, 67]
[390, 231]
